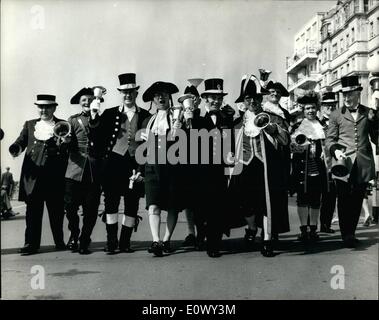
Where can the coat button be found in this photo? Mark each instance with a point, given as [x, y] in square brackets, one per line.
[91, 143]
[115, 129]
[113, 136]
[35, 142]
[117, 117]
[116, 123]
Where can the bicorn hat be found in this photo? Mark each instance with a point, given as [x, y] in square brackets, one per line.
[191, 89]
[159, 86]
[250, 87]
[127, 82]
[350, 83]
[45, 100]
[278, 86]
[214, 86]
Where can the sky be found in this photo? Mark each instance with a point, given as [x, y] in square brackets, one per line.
[58, 47]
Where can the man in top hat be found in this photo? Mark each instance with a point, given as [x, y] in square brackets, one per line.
[259, 196]
[42, 174]
[218, 122]
[116, 129]
[348, 140]
[82, 186]
[328, 197]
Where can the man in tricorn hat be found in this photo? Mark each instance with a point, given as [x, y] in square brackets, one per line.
[328, 196]
[116, 129]
[42, 174]
[82, 175]
[162, 179]
[348, 139]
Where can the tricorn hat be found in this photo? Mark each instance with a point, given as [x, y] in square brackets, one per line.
[82, 92]
[213, 86]
[350, 83]
[159, 86]
[127, 82]
[328, 97]
[250, 87]
[278, 86]
[45, 100]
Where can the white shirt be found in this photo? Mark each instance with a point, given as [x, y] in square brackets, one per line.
[44, 130]
[129, 111]
[160, 125]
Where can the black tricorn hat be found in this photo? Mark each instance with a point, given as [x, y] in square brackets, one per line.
[308, 99]
[214, 86]
[45, 100]
[250, 87]
[191, 90]
[127, 82]
[82, 92]
[159, 86]
[328, 97]
[278, 86]
[350, 83]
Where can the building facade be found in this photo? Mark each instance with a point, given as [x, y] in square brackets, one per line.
[348, 35]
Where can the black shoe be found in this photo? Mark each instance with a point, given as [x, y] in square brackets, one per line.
[72, 244]
[303, 236]
[60, 247]
[350, 241]
[325, 229]
[267, 249]
[9, 214]
[156, 248]
[124, 243]
[200, 245]
[84, 251]
[214, 253]
[249, 237]
[367, 222]
[27, 250]
[111, 247]
[167, 247]
[189, 241]
[313, 236]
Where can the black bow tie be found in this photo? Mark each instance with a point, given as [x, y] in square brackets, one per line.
[353, 110]
[213, 113]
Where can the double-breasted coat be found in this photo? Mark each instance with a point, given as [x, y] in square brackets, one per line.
[45, 158]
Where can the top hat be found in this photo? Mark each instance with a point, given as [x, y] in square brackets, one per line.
[328, 97]
[159, 86]
[278, 86]
[308, 99]
[250, 87]
[374, 81]
[213, 86]
[45, 100]
[350, 83]
[127, 82]
[264, 74]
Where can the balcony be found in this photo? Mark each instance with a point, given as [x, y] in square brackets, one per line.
[307, 82]
[301, 59]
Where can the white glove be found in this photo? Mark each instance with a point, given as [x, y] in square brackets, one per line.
[339, 154]
[95, 107]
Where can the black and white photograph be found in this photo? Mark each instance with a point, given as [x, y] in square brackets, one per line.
[189, 154]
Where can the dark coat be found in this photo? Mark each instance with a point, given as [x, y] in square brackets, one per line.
[163, 181]
[82, 150]
[42, 158]
[355, 136]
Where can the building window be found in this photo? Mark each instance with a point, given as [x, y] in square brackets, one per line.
[347, 41]
[342, 47]
[365, 5]
[352, 35]
[341, 73]
[347, 68]
[353, 64]
[356, 6]
[371, 30]
[334, 51]
[334, 75]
